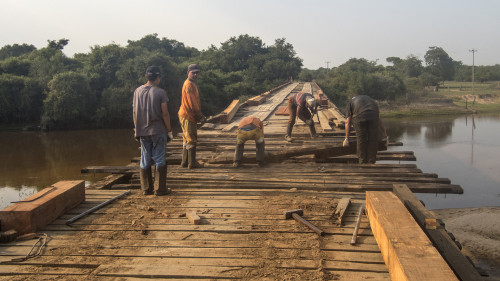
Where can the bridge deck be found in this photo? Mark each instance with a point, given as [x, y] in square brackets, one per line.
[243, 233]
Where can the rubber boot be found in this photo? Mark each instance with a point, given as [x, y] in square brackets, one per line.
[288, 135]
[192, 163]
[160, 185]
[238, 155]
[146, 181]
[312, 130]
[260, 153]
[184, 161]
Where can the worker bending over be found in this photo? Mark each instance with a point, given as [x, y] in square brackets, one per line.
[363, 114]
[304, 106]
[250, 128]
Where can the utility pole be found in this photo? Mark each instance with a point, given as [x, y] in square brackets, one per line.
[473, 51]
[327, 62]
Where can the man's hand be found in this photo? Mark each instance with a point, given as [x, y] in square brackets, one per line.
[346, 142]
[170, 136]
[309, 122]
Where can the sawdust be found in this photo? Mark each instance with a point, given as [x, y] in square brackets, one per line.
[272, 262]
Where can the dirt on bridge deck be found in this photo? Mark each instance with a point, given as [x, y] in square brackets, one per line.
[243, 233]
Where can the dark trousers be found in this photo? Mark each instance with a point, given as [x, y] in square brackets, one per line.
[367, 140]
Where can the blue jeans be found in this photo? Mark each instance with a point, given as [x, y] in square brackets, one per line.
[154, 147]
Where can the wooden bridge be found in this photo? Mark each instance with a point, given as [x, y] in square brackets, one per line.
[222, 222]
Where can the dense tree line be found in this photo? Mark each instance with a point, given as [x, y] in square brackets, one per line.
[95, 89]
[406, 79]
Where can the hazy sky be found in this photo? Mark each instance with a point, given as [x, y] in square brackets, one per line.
[320, 31]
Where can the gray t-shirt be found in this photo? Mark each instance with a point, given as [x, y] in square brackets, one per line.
[362, 108]
[147, 103]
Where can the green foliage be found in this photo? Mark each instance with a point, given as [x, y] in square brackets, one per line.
[439, 63]
[20, 99]
[70, 103]
[16, 66]
[15, 50]
[361, 77]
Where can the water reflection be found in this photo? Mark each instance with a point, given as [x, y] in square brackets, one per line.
[463, 149]
[34, 160]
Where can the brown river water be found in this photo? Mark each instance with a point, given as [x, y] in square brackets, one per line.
[464, 149]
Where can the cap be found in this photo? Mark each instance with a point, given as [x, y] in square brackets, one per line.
[153, 70]
[193, 67]
[311, 102]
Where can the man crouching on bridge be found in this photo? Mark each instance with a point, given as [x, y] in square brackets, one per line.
[304, 106]
[250, 128]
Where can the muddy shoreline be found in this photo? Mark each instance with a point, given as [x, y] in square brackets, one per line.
[478, 230]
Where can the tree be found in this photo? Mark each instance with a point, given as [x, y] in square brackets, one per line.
[70, 103]
[439, 63]
[59, 45]
[15, 50]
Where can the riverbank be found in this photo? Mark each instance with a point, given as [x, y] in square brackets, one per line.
[477, 229]
[452, 98]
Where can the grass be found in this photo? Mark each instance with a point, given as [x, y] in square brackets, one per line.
[486, 99]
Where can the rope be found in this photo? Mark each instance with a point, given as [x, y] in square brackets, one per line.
[42, 241]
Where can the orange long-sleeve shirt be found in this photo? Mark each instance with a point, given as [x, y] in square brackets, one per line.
[190, 104]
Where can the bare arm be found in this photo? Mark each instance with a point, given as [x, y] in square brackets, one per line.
[347, 127]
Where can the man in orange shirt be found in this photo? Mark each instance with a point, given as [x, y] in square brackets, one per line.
[190, 114]
[250, 128]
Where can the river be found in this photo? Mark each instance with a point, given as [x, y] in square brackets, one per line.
[464, 149]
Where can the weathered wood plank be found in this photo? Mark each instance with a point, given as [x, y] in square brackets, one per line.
[439, 236]
[407, 252]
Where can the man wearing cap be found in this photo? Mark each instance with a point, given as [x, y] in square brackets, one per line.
[363, 114]
[304, 106]
[152, 128]
[189, 115]
[250, 128]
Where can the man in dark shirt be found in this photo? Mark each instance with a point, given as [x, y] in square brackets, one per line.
[363, 114]
[304, 106]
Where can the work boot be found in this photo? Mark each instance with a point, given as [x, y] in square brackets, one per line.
[184, 161]
[160, 184]
[192, 163]
[259, 155]
[238, 155]
[146, 181]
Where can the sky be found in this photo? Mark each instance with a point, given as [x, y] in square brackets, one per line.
[323, 33]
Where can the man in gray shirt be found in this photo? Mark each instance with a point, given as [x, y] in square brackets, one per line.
[152, 128]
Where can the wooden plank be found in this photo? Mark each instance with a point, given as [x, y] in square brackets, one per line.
[257, 100]
[439, 236]
[283, 111]
[341, 209]
[324, 122]
[228, 113]
[193, 217]
[407, 252]
[43, 207]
